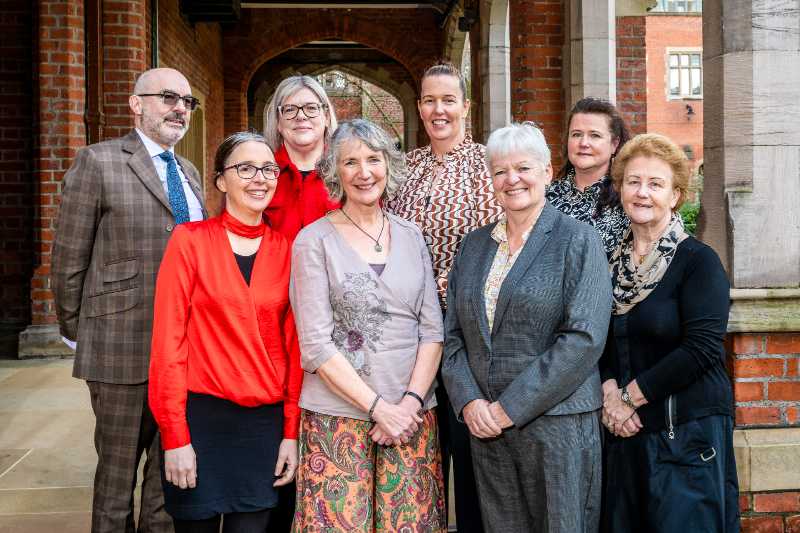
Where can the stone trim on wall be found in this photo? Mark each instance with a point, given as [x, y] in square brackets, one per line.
[767, 310]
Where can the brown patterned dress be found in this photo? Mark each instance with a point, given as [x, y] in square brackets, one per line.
[447, 199]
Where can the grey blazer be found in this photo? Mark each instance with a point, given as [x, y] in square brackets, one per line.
[113, 226]
[550, 324]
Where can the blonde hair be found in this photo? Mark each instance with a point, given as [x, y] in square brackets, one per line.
[660, 147]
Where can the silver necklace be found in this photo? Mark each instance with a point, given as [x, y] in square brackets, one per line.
[378, 247]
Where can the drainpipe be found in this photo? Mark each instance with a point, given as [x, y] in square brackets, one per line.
[154, 33]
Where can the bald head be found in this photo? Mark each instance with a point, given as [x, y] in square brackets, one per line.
[158, 79]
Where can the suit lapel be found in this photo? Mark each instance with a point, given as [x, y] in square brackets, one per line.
[536, 241]
[487, 248]
[142, 165]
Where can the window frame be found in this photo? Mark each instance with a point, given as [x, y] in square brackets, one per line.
[678, 51]
[661, 7]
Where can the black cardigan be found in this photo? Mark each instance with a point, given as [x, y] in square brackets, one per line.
[672, 341]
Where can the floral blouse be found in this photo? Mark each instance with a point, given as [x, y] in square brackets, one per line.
[565, 196]
[461, 201]
[503, 261]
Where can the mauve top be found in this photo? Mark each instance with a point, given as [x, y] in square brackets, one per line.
[377, 322]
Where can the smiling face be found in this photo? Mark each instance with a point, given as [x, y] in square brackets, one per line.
[247, 199]
[519, 182]
[648, 195]
[442, 108]
[362, 172]
[590, 144]
[301, 133]
[166, 125]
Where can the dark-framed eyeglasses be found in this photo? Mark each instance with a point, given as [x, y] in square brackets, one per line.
[171, 99]
[248, 171]
[310, 110]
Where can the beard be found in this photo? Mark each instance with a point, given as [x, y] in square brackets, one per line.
[162, 130]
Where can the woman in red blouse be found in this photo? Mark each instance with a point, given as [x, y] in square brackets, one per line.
[298, 122]
[225, 371]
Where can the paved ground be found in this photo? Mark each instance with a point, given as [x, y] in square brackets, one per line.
[46, 453]
[47, 458]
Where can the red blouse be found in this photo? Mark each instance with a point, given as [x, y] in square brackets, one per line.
[213, 334]
[298, 201]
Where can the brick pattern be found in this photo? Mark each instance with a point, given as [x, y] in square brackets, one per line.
[766, 378]
[16, 153]
[770, 512]
[61, 131]
[537, 93]
[632, 72]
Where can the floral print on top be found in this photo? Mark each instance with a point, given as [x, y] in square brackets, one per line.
[565, 196]
[501, 266]
[462, 200]
[359, 314]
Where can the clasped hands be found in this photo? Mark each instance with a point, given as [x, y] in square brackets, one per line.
[396, 423]
[486, 420]
[618, 417]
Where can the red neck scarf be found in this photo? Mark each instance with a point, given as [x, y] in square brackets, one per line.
[241, 229]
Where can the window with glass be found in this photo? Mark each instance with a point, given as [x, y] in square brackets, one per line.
[678, 6]
[685, 75]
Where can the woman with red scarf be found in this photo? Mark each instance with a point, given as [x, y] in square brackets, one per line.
[225, 371]
[298, 122]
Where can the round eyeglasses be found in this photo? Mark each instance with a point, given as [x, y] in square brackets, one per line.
[310, 110]
[248, 171]
[170, 99]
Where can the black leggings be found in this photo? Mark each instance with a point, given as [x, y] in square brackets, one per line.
[256, 522]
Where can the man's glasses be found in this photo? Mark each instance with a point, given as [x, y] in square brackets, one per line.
[171, 99]
[310, 110]
[248, 171]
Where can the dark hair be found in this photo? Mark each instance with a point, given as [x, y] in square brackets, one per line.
[230, 144]
[609, 197]
[445, 68]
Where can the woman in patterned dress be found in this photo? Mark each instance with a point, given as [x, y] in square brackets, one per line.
[370, 332]
[448, 194]
[583, 188]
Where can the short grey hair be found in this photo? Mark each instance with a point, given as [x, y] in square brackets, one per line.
[376, 139]
[524, 138]
[284, 90]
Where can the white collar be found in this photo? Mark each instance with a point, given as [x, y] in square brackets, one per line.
[153, 148]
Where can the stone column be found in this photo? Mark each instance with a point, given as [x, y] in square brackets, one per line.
[592, 50]
[751, 215]
[493, 58]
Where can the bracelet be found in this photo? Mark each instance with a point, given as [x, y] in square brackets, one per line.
[626, 398]
[416, 397]
[372, 407]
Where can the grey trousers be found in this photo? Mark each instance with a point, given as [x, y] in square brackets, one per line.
[544, 477]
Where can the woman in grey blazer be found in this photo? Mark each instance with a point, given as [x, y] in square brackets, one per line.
[529, 300]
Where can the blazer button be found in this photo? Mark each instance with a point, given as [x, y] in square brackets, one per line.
[170, 227]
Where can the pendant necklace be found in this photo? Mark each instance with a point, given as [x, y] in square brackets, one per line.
[378, 247]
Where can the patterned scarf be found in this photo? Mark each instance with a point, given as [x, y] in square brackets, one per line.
[633, 283]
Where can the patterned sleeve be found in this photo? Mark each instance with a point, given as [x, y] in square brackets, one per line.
[487, 210]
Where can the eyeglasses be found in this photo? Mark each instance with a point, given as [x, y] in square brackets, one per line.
[248, 171]
[171, 99]
[310, 110]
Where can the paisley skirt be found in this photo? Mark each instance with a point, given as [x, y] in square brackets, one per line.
[346, 482]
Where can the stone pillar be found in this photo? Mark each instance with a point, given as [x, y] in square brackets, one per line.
[751, 215]
[494, 71]
[592, 50]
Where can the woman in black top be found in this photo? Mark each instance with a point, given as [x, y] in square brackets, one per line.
[582, 189]
[667, 398]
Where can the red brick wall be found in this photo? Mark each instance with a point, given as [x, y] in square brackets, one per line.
[537, 93]
[196, 51]
[632, 72]
[61, 131]
[770, 512]
[766, 378]
[16, 152]
[665, 116]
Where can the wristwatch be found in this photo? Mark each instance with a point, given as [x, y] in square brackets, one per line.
[626, 398]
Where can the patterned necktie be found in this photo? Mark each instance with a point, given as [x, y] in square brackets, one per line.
[177, 198]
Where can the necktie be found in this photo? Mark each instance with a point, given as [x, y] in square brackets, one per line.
[177, 198]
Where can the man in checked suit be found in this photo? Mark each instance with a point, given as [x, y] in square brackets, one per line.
[121, 200]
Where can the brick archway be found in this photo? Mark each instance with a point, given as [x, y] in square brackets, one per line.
[266, 34]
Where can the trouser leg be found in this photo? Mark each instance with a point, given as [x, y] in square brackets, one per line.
[256, 522]
[153, 517]
[208, 525]
[122, 433]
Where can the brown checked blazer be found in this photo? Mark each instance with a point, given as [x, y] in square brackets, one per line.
[113, 226]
